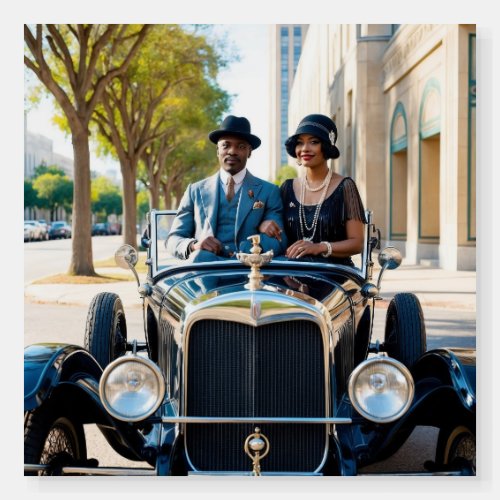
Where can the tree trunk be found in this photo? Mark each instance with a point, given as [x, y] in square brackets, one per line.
[154, 195]
[129, 204]
[81, 259]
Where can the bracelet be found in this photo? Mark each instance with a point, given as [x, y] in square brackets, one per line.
[329, 249]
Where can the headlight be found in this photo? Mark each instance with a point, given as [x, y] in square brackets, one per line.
[381, 389]
[131, 388]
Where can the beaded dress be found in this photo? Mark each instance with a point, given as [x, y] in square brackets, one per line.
[342, 205]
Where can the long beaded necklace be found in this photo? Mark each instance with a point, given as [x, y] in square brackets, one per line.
[302, 216]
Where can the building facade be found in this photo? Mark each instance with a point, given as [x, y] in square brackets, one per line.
[403, 99]
[286, 46]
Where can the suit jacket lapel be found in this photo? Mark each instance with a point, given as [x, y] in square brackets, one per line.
[245, 205]
[209, 195]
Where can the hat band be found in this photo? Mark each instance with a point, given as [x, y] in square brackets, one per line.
[331, 134]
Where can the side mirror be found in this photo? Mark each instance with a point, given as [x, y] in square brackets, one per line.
[126, 257]
[389, 258]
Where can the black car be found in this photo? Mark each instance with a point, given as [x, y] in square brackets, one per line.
[101, 229]
[59, 229]
[253, 366]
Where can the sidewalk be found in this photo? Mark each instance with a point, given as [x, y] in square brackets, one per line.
[434, 288]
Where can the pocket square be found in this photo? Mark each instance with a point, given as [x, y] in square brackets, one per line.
[258, 204]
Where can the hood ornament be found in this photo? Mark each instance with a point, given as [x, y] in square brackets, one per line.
[256, 260]
[256, 447]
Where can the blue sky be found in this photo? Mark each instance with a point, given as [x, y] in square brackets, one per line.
[247, 79]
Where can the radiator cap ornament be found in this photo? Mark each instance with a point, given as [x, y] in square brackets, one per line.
[256, 447]
[256, 260]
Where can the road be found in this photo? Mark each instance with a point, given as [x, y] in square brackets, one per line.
[61, 323]
[44, 258]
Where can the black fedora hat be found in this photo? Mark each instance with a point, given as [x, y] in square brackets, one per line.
[238, 126]
[322, 127]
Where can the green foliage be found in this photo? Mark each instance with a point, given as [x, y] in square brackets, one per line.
[284, 173]
[142, 204]
[54, 190]
[51, 169]
[106, 198]
[30, 195]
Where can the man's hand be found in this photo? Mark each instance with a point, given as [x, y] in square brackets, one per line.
[270, 228]
[210, 243]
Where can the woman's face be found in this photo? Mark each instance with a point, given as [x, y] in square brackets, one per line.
[308, 150]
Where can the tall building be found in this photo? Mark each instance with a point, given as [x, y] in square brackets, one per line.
[286, 46]
[38, 150]
[404, 101]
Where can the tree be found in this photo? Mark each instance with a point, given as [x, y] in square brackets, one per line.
[284, 173]
[143, 106]
[30, 195]
[106, 197]
[54, 191]
[75, 63]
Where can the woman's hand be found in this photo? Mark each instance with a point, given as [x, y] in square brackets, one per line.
[270, 228]
[301, 248]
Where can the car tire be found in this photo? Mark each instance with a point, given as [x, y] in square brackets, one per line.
[51, 437]
[405, 338]
[106, 328]
[456, 448]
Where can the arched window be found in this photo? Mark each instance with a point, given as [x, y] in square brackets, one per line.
[398, 177]
[429, 162]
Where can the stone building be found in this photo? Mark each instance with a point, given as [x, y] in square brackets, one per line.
[403, 99]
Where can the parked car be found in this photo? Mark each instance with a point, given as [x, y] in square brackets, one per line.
[252, 366]
[29, 232]
[39, 232]
[59, 229]
[101, 228]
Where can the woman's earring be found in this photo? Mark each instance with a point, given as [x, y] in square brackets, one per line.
[298, 163]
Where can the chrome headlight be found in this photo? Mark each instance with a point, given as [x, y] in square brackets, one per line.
[381, 389]
[131, 388]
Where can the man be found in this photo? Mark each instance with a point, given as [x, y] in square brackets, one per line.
[218, 214]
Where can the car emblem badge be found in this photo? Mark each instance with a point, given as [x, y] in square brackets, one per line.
[256, 310]
[256, 447]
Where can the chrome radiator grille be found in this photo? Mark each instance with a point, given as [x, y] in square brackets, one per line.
[236, 370]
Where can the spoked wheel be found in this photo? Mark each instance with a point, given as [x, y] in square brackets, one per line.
[106, 328]
[405, 338]
[456, 449]
[52, 439]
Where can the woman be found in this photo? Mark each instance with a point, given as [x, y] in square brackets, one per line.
[323, 212]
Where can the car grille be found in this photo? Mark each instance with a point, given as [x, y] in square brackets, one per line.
[236, 370]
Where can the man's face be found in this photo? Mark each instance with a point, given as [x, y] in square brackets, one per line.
[233, 153]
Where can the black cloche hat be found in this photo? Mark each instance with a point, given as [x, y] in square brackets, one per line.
[320, 126]
[238, 126]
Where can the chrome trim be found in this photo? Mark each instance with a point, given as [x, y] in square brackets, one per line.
[238, 307]
[233, 473]
[251, 420]
[390, 361]
[97, 471]
[139, 359]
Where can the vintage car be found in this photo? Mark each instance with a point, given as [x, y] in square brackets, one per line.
[249, 366]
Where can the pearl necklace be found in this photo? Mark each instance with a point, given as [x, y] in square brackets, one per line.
[326, 180]
[302, 215]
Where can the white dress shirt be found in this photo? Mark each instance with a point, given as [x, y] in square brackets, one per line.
[238, 179]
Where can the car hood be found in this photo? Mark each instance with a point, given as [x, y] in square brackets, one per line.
[311, 284]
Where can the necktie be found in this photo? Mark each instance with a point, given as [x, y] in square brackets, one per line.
[230, 188]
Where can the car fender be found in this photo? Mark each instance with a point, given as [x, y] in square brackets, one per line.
[454, 367]
[48, 365]
[69, 375]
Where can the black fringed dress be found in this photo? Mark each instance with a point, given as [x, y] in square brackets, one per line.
[342, 205]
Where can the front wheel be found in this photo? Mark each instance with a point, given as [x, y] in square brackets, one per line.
[456, 449]
[405, 338]
[106, 328]
[52, 438]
